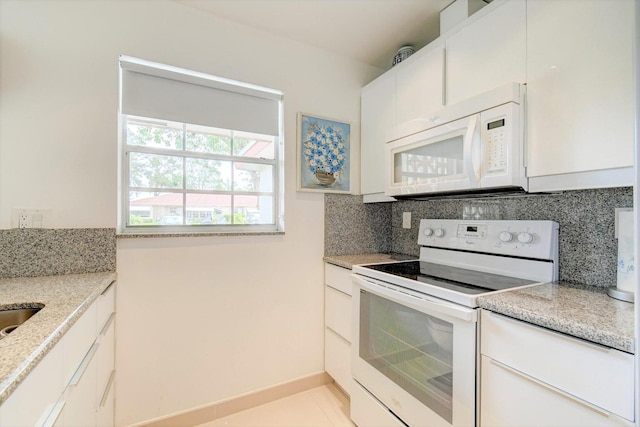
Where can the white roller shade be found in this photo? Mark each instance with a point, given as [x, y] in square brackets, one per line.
[164, 92]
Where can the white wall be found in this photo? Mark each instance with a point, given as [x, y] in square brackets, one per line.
[199, 319]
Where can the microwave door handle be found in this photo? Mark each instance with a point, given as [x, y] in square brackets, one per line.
[470, 143]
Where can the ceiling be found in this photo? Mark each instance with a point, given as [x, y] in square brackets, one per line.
[370, 31]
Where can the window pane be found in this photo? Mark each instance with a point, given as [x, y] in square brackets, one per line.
[252, 177]
[253, 209]
[155, 171]
[155, 209]
[205, 139]
[154, 133]
[206, 209]
[253, 145]
[203, 174]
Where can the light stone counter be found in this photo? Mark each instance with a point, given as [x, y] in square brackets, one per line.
[348, 261]
[581, 311]
[65, 299]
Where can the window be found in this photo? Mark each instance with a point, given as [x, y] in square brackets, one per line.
[198, 153]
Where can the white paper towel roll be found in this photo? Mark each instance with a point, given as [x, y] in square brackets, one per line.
[626, 260]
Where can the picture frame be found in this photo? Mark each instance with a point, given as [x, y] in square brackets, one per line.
[324, 154]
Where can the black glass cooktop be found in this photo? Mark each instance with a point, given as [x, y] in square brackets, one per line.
[457, 279]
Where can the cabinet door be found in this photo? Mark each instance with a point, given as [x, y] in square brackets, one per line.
[337, 359]
[378, 114]
[337, 312]
[489, 52]
[580, 86]
[80, 395]
[419, 83]
[36, 397]
[512, 399]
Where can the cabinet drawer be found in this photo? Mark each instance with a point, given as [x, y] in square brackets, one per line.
[338, 278]
[78, 340]
[106, 304]
[521, 406]
[593, 373]
[35, 398]
[337, 312]
[105, 356]
[337, 359]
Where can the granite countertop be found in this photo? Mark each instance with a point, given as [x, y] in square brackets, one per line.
[348, 261]
[585, 312]
[582, 311]
[65, 299]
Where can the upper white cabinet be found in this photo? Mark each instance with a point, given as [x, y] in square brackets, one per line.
[419, 83]
[580, 92]
[577, 63]
[488, 52]
[411, 89]
[378, 113]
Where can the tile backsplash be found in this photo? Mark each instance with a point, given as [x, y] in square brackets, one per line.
[47, 252]
[588, 248]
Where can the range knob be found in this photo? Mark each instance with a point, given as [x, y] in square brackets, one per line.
[439, 232]
[525, 237]
[427, 232]
[506, 236]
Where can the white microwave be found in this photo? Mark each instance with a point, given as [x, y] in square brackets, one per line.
[474, 147]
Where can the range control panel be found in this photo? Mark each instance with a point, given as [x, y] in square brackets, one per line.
[530, 239]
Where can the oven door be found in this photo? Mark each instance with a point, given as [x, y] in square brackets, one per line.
[414, 353]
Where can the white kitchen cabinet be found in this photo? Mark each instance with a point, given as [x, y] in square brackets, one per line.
[488, 52]
[377, 115]
[337, 350]
[419, 83]
[71, 385]
[580, 94]
[552, 379]
[35, 398]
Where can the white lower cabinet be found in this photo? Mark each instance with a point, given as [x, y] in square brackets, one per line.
[337, 333]
[72, 385]
[533, 377]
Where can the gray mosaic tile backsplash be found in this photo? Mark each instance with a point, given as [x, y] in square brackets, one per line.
[588, 248]
[48, 252]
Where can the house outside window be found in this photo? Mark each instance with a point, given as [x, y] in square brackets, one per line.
[198, 153]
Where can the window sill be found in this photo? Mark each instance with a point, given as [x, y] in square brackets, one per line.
[201, 234]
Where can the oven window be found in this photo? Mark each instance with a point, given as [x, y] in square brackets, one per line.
[411, 348]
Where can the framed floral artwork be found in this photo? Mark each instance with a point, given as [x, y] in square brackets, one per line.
[324, 155]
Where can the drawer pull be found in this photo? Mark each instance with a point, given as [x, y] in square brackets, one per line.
[75, 379]
[107, 389]
[107, 324]
[551, 388]
[54, 415]
[557, 334]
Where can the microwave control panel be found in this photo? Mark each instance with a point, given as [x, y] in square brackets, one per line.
[496, 149]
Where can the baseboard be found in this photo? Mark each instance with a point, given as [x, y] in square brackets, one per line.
[213, 411]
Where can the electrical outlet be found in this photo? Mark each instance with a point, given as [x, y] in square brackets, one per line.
[29, 218]
[406, 219]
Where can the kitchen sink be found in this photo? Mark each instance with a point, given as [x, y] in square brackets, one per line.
[10, 319]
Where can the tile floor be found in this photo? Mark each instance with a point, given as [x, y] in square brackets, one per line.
[325, 406]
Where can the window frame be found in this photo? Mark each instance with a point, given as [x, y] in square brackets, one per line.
[125, 187]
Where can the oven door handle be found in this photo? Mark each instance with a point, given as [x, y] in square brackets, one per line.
[421, 303]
